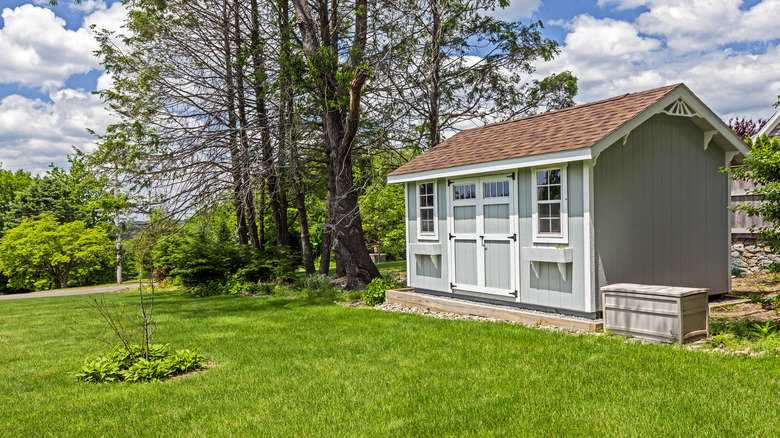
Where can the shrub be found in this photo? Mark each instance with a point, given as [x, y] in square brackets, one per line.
[100, 369]
[375, 291]
[317, 285]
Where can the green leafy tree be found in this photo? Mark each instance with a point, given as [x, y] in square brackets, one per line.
[762, 168]
[45, 252]
[11, 183]
[383, 219]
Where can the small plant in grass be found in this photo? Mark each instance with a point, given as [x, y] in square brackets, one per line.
[123, 365]
[375, 291]
[754, 298]
[765, 330]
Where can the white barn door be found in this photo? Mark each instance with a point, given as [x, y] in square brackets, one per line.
[482, 235]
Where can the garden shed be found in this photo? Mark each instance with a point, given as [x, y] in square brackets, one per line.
[543, 211]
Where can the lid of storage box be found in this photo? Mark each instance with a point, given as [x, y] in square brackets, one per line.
[649, 289]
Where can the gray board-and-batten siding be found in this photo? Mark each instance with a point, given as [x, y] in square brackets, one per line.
[660, 209]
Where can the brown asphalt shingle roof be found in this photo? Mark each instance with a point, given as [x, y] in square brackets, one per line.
[571, 128]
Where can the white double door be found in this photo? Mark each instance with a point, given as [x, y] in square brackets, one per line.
[482, 235]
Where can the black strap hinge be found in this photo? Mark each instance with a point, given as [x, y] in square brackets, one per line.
[449, 182]
[514, 294]
[451, 236]
[512, 175]
[452, 286]
[513, 237]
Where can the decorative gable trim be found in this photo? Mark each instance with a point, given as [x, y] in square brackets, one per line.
[680, 108]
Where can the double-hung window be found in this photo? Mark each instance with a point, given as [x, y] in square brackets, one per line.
[427, 210]
[550, 205]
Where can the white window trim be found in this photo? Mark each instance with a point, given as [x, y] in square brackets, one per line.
[429, 235]
[563, 236]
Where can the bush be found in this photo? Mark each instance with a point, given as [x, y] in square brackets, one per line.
[375, 291]
[131, 366]
[317, 285]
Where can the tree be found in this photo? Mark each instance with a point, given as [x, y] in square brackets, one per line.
[762, 168]
[745, 127]
[44, 252]
[340, 82]
[11, 183]
[456, 65]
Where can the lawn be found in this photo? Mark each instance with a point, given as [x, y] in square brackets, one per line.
[391, 268]
[314, 368]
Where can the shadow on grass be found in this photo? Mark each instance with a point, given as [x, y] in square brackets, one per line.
[186, 306]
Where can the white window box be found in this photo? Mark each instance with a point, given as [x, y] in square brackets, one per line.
[538, 254]
[432, 250]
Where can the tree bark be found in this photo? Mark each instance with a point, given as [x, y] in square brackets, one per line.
[340, 128]
[235, 155]
[434, 135]
[247, 200]
[288, 135]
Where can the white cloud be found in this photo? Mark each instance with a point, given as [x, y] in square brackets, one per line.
[517, 9]
[86, 6]
[39, 52]
[107, 18]
[612, 57]
[701, 25]
[35, 132]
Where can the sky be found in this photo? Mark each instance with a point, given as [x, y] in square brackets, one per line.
[726, 51]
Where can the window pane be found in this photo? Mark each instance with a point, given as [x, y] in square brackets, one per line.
[541, 177]
[555, 225]
[544, 225]
[427, 226]
[555, 210]
[544, 210]
[426, 214]
[505, 188]
[472, 191]
[555, 192]
[555, 176]
[542, 193]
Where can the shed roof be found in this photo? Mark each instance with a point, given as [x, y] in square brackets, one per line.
[772, 127]
[577, 127]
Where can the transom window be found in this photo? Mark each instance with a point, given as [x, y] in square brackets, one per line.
[466, 191]
[548, 197]
[427, 207]
[498, 189]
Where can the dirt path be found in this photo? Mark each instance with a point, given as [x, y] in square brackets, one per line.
[69, 292]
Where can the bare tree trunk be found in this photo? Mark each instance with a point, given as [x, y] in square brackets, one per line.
[327, 237]
[247, 200]
[118, 241]
[235, 155]
[289, 135]
[434, 136]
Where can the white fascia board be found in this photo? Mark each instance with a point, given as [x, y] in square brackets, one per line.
[703, 111]
[770, 124]
[495, 166]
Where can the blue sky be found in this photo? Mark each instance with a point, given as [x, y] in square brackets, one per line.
[726, 51]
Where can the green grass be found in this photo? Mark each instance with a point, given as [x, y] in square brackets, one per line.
[395, 267]
[312, 368]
